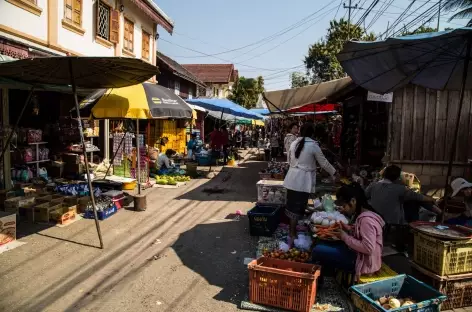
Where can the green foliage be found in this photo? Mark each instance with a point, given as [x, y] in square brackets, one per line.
[321, 62]
[420, 30]
[299, 80]
[464, 7]
[246, 91]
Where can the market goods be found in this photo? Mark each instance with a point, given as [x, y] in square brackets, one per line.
[171, 179]
[290, 255]
[391, 302]
[328, 218]
[329, 232]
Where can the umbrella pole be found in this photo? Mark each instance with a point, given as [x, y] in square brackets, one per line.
[138, 157]
[456, 130]
[84, 151]
[10, 135]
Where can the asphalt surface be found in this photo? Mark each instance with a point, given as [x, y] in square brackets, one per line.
[184, 253]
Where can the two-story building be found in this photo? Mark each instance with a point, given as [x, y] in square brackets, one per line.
[219, 78]
[38, 28]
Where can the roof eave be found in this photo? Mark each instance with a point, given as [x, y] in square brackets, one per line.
[158, 10]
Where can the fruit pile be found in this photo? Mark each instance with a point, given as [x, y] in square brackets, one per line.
[171, 180]
[290, 255]
[391, 302]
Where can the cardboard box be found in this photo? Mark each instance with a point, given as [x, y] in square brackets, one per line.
[64, 214]
[17, 202]
[71, 158]
[42, 212]
[7, 228]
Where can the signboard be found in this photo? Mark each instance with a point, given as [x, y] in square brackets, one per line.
[375, 97]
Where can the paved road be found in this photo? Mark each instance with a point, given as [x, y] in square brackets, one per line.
[185, 253]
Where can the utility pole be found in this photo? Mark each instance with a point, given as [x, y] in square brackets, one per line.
[349, 7]
[439, 14]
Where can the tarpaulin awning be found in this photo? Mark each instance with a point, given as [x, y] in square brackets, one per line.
[197, 108]
[225, 106]
[316, 108]
[141, 101]
[88, 72]
[297, 97]
[260, 111]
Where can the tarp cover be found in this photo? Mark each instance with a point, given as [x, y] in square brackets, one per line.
[432, 60]
[225, 106]
[89, 72]
[141, 101]
[297, 97]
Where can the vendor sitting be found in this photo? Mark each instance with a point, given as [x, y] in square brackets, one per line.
[361, 252]
[164, 163]
[192, 146]
[461, 187]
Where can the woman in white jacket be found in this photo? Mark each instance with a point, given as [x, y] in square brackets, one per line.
[300, 182]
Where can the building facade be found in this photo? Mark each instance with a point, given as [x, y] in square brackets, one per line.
[218, 78]
[30, 28]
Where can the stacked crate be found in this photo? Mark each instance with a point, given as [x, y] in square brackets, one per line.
[169, 129]
[447, 266]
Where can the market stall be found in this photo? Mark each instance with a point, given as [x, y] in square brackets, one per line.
[88, 72]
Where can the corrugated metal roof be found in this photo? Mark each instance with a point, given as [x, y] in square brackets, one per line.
[214, 73]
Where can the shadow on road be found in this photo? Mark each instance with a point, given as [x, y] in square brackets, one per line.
[216, 251]
[229, 185]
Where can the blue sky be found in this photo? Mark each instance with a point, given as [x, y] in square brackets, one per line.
[258, 31]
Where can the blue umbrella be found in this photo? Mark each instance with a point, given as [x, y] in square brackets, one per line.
[225, 106]
[438, 60]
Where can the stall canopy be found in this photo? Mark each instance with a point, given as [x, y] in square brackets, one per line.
[225, 106]
[282, 100]
[314, 108]
[141, 101]
[260, 111]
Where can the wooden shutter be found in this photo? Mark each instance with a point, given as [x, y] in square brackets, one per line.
[77, 12]
[114, 26]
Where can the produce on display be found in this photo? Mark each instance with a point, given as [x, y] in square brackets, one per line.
[328, 218]
[171, 180]
[330, 232]
[391, 302]
[293, 254]
[276, 168]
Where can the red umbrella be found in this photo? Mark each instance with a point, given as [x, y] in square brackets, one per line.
[309, 108]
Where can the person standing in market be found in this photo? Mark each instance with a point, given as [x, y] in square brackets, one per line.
[216, 143]
[225, 143]
[291, 136]
[192, 146]
[304, 156]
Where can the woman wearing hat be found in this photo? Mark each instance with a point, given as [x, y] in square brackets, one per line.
[462, 187]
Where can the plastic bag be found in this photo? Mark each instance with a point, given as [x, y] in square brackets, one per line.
[283, 246]
[328, 203]
[302, 242]
[43, 173]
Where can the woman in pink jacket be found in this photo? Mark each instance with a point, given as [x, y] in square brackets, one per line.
[361, 252]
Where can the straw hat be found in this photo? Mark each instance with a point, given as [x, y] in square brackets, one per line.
[459, 184]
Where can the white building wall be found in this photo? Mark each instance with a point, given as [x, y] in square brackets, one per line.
[26, 22]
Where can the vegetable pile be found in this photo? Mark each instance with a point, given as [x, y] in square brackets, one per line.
[171, 180]
[391, 302]
[293, 254]
[330, 232]
[328, 218]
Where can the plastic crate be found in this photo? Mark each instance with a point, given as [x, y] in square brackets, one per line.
[443, 257]
[271, 192]
[283, 284]
[263, 220]
[404, 286]
[205, 160]
[346, 279]
[457, 288]
[101, 214]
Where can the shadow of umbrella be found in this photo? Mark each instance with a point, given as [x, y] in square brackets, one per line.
[216, 251]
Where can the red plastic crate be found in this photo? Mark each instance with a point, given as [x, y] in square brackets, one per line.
[283, 284]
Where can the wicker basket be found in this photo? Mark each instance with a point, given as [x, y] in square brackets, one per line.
[443, 257]
[283, 284]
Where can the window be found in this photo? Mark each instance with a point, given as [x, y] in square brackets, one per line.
[215, 92]
[73, 11]
[190, 92]
[177, 87]
[129, 36]
[145, 45]
[103, 21]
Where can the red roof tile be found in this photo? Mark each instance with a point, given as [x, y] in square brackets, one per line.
[178, 69]
[215, 73]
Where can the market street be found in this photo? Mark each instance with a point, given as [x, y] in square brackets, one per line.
[184, 253]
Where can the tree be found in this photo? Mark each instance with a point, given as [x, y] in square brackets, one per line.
[299, 79]
[465, 7]
[420, 30]
[321, 62]
[246, 91]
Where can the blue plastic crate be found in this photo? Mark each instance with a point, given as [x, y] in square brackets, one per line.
[205, 160]
[102, 215]
[401, 286]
